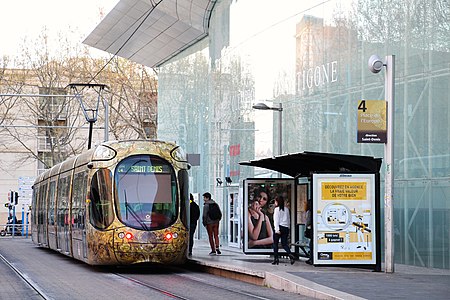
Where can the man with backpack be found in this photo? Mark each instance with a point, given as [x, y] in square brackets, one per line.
[211, 218]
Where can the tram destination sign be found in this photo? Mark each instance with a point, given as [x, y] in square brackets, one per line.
[371, 121]
[143, 169]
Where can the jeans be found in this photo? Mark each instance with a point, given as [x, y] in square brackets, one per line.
[284, 233]
[192, 229]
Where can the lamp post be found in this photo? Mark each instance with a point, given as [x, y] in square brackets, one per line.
[375, 66]
[263, 106]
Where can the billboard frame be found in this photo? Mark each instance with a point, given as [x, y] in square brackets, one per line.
[344, 235]
[251, 185]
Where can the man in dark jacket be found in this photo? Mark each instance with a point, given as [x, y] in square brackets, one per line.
[195, 215]
[212, 226]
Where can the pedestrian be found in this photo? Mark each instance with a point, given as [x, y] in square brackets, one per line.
[308, 231]
[194, 216]
[210, 219]
[282, 222]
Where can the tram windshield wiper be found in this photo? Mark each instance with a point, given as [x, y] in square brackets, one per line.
[133, 213]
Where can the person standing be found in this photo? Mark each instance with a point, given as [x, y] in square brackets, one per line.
[211, 221]
[282, 222]
[308, 231]
[194, 216]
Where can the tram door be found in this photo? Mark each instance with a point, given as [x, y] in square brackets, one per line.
[78, 215]
[234, 217]
[63, 213]
[51, 215]
[42, 220]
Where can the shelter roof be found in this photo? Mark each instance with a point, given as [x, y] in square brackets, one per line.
[304, 163]
[152, 32]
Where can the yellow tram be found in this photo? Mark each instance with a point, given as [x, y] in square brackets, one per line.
[123, 202]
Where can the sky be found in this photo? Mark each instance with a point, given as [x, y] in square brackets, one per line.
[21, 19]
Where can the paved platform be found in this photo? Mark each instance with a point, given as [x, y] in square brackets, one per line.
[407, 282]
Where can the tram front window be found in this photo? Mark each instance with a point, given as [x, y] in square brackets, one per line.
[145, 189]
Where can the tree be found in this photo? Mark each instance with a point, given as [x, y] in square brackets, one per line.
[57, 122]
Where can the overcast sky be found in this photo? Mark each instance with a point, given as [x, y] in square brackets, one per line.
[27, 18]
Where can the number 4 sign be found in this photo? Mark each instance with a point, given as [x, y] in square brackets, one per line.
[371, 121]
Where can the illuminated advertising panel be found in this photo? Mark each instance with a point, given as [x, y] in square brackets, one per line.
[344, 219]
[259, 205]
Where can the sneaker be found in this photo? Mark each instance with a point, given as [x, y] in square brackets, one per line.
[218, 252]
[212, 253]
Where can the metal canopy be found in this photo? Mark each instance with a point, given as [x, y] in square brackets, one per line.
[152, 32]
[303, 164]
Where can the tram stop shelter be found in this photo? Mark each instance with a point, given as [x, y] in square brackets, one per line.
[343, 193]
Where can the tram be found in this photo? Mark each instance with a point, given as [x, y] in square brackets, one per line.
[122, 202]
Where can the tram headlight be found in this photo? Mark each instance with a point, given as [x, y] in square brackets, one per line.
[128, 235]
[168, 236]
[104, 153]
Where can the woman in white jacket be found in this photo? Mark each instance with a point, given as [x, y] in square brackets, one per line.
[282, 223]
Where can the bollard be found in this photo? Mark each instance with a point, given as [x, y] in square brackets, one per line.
[23, 216]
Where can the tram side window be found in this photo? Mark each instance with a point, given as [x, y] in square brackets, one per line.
[42, 205]
[51, 197]
[101, 208]
[34, 204]
[78, 197]
[63, 200]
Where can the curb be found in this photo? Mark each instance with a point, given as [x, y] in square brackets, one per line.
[276, 280]
[294, 284]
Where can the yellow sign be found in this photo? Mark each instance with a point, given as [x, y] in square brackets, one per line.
[352, 255]
[372, 121]
[344, 190]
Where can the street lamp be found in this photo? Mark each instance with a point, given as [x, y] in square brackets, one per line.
[263, 106]
[375, 66]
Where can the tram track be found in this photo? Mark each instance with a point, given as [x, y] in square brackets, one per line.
[30, 283]
[193, 279]
[162, 291]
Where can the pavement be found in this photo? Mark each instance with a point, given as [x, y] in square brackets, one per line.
[319, 282]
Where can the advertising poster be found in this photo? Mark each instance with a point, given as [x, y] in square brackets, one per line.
[344, 220]
[259, 205]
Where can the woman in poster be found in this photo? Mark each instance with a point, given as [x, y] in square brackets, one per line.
[260, 233]
[266, 206]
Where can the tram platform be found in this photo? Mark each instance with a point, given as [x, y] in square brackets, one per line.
[407, 282]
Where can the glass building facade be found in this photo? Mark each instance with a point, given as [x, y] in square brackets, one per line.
[312, 57]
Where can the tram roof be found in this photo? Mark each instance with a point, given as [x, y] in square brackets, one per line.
[151, 34]
[304, 163]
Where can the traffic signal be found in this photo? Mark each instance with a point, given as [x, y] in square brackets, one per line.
[13, 197]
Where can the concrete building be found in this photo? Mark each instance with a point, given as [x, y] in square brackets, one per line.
[42, 123]
[218, 58]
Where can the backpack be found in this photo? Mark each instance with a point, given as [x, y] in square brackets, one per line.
[214, 212]
[195, 212]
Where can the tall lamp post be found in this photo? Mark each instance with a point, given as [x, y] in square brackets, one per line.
[375, 66]
[263, 106]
